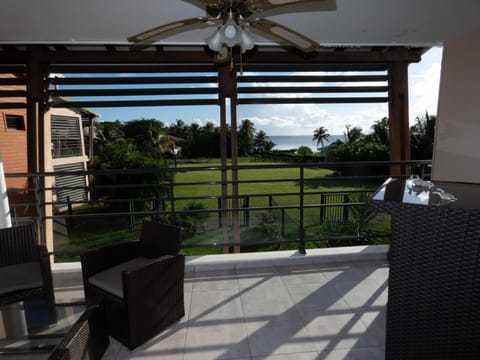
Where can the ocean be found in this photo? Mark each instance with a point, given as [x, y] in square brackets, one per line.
[288, 142]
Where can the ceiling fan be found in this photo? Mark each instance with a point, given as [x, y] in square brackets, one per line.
[234, 19]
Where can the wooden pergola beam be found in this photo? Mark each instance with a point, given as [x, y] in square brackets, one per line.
[98, 54]
[398, 118]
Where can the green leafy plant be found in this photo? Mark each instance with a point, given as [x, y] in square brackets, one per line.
[192, 221]
[268, 224]
[360, 214]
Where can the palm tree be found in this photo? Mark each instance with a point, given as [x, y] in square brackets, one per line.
[352, 134]
[262, 143]
[380, 131]
[320, 135]
[246, 133]
[422, 134]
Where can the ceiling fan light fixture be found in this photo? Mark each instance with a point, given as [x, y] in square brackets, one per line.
[247, 41]
[230, 31]
[214, 41]
[231, 34]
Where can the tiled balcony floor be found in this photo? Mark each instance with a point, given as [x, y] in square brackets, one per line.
[336, 311]
[320, 310]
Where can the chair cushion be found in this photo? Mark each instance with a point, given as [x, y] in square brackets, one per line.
[110, 280]
[20, 277]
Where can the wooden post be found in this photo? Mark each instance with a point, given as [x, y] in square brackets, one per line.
[36, 103]
[223, 163]
[228, 90]
[35, 112]
[398, 118]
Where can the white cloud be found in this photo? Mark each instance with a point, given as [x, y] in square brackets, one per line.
[424, 81]
[295, 119]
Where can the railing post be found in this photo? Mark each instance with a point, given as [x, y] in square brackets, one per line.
[69, 206]
[219, 203]
[422, 171]
[131, 218]
[246, 206]
[155, 207]
[172, 197]
[283, 223]
[345, 207]
[323, 200]
[301, 245]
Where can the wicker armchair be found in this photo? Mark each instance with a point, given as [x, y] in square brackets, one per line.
[25, 274]
[140, 283]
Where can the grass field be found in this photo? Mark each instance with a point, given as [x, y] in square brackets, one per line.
[275, 229]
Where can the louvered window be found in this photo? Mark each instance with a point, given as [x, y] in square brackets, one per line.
[70, 187]
[66, 139]
[15, 122]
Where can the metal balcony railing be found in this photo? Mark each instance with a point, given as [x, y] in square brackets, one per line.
[274, 206]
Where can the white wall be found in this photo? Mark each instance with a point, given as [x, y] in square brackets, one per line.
[456, 155]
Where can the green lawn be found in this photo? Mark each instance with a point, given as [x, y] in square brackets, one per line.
[95, 231]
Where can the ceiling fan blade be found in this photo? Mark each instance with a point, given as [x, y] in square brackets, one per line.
[155, 33]
[264, 5]
[286, 34]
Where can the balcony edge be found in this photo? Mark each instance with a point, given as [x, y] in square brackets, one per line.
[72, 272]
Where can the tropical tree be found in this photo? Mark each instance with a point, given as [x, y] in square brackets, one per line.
[107, 132]
[357, 147]
[246, 134]
[304, 151]
[352, 134]
[320, 135]
[380, 131]
[150, 136]
[135, 144]
[179, 128]
[262, 143]
[122, 156]
[422, 135]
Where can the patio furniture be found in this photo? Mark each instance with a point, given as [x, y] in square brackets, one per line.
[434, 281]
[25, 274]
[86, 339]
[140, 283]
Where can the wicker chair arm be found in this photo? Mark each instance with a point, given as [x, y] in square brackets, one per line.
[96, 260]
[154, 279]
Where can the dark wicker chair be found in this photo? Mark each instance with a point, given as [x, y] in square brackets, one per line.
[87, 339]
[25, 273]
[140, 283]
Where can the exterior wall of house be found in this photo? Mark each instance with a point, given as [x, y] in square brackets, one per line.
[456, 153]
[13, 142]
[13, 147]
[52, 163]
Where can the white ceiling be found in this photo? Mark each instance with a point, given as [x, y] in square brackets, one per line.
[393, 22]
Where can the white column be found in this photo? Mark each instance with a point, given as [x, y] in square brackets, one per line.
[457, 130]
[5, 220]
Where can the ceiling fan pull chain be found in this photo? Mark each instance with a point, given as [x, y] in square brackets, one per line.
[241, 63]
[231, 59]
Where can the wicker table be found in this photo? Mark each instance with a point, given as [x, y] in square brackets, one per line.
[433, 307]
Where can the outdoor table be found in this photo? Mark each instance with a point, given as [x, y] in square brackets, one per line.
[26, 327]
[433, 309]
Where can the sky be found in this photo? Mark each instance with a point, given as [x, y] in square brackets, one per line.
[303, 119]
